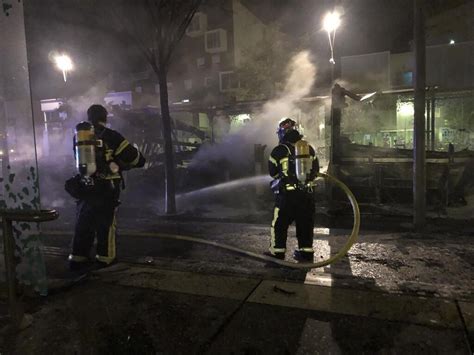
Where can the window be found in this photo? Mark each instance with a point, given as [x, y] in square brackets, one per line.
[228, 81]
[213, 40]
[198, 25]
[216, 41]
[51, 116]
[407, 78]
[188, 84]
[194, 25]
[200, 61]
[216, 59]
[207, 81]
[203, 121]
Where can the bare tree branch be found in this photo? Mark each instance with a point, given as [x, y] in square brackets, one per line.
[157, 27]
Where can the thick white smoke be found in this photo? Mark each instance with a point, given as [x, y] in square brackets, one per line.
[94, 95]
[301, 77]
[237, 148]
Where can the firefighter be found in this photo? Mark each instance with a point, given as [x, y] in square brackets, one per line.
[97, 189]
[294, 199]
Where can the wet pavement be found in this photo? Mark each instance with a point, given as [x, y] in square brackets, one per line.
[438, 264]
[128, 309]
[394, 293]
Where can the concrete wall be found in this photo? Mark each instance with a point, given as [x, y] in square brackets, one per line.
[248, 30]
[367, 71]
[447, 66]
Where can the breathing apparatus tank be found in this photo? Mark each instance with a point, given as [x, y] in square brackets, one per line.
[85, 151]
[303, 161]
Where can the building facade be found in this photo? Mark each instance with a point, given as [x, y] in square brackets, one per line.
[449, 97]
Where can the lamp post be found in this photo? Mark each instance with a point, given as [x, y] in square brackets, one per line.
[419, 149]
[331, 22]
[63, 63]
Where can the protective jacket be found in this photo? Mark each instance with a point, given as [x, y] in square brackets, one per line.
[116, 148]
[294, 201]
[281, 167]
[96, 207]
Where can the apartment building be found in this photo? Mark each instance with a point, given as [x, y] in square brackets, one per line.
[203, 68]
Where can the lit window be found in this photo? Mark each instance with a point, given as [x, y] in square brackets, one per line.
[407, 78]
[203, 121]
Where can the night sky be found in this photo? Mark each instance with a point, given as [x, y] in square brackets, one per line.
[367, 26]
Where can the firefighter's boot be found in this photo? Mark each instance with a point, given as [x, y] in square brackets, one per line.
[303, 256]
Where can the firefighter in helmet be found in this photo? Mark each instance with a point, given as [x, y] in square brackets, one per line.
[102, 154]
[292, 165]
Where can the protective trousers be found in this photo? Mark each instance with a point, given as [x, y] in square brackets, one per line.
[94, 219]
[293, 206]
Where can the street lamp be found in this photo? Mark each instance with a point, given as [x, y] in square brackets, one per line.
[331, 22]
[63, 63]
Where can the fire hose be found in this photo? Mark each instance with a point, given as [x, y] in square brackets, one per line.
[87, 167]
[340, 254]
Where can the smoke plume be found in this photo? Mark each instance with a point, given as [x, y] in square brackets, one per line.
[95, 95]
[237, 148]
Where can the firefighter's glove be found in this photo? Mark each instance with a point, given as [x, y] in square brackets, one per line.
[276, 186]
[77, 188]
[114, 168]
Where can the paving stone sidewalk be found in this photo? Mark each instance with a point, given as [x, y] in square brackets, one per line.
[129, 308]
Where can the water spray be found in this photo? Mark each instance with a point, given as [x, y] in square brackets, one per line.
[340, 254]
